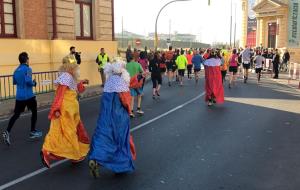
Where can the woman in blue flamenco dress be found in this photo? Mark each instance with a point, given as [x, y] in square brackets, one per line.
[112, 145]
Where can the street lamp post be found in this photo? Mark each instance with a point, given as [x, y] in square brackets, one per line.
[156, 35]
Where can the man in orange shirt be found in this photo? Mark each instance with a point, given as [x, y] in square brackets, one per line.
[189, 57]
[171, 65]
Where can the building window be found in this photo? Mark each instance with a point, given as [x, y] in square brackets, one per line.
[7, 18]
[83, 18]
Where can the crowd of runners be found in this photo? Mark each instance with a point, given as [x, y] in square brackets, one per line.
[112, 145]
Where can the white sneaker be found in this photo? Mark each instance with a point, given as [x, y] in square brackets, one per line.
[140, 112]
[6, 137]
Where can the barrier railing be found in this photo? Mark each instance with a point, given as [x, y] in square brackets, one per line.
[44, 84]
[294, 72]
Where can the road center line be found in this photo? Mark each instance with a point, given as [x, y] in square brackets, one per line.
[42, 170]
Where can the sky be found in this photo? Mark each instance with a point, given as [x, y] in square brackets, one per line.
[209, 23]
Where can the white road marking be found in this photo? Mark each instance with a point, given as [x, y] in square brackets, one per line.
[167, 113]
[30, 175]
[42, 170]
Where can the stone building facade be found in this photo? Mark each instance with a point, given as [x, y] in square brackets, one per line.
[272, 25]
[47, 28]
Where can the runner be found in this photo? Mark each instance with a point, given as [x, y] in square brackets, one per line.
[156, 78]
[162, 63]
[177, 53]
[233, 67]
[189, 58]
[112, 145]
[259, 60]
[181, 63]
[24, 98]
[67, 137]
[224, 67]
[207, 54]
[246, 58]
[213, 79]
[143, 61]
[285, 61]
[197, 62]
[135, 71]
[171, 66]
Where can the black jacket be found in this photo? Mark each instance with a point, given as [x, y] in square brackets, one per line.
[154, 67]
[276, 59]
[286, 57]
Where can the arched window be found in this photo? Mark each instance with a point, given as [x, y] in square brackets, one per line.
[83, 19]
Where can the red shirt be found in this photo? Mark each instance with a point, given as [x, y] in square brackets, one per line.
[169, 55]
[189, 58]
[233, 60]
[144, 64]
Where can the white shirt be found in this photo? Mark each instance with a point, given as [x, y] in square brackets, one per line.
[258, 60]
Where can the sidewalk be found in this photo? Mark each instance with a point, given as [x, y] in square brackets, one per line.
[286, 80]
[44, 100]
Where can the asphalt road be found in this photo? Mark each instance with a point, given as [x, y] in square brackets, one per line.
[252, 142]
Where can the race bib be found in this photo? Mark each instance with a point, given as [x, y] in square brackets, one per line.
[246, 62]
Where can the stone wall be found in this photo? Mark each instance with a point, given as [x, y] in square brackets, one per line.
[65, 19]
[103, 9]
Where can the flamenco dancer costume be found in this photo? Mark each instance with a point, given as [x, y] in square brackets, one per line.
[112, 145]
[213, 81]
[67, 137]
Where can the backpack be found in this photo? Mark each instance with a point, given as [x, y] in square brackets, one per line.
[136, 81]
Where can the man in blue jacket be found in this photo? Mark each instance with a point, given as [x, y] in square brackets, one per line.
[197, 61]
[24, 97]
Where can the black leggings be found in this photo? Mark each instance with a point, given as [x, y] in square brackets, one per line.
[156, 79]
[20, 106]
[223, 75]
[189, 69]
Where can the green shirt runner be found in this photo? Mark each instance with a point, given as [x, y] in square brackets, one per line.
[134, 68]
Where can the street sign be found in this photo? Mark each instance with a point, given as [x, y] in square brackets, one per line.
[168, 42]
[138, 42]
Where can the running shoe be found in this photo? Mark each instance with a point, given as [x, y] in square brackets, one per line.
[139, 111]
[94, 169]
[6, 137]
[169, 83]
[132, 115]
[157, 93]
[209, 103]
[35, 134]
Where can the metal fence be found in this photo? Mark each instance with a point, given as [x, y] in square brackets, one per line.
[294, 71]
[123, 43]
[44, 84]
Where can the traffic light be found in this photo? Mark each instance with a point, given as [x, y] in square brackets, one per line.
[208, 2]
